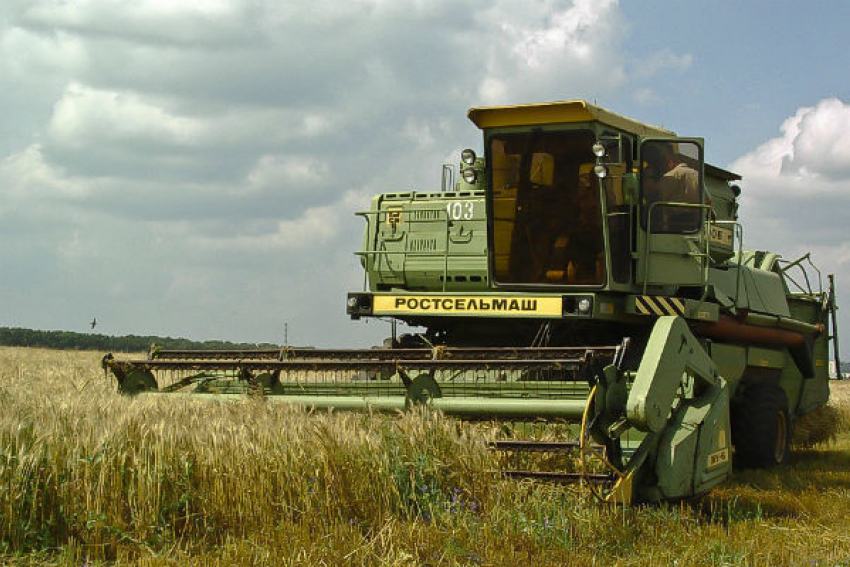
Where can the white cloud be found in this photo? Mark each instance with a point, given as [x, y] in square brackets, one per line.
[645, 95]
[664, 60]
[307, 233]
[645, 70]
[569, 32]
[812, 156]
[86, 116]
[550, 50]
[185, 22]
[27, 178]
[821, 146]
[57, 53]
[293, 172]
[796, 191]
[418, 133]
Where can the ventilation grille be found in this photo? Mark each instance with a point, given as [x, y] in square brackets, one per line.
[426, 215]
[422, 244]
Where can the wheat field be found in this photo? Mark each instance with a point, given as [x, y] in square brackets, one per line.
[89, 477]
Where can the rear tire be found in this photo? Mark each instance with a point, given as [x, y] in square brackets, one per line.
[761, 427]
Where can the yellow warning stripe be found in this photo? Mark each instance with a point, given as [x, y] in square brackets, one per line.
[672, 305]
[668, 309]
[649, 305]
[654, 306]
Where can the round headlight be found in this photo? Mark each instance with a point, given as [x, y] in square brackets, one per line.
[352, 301]
[584, 305]
[469, 175]
[601, 171]
[598, 149]
[468, 156]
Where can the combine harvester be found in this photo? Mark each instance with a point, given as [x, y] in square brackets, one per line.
[588, 269]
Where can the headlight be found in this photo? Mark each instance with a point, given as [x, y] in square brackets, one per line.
[467, 156]
[598, 149]
[577, 306]
[358, 304]
[469, 175]
[601, 171]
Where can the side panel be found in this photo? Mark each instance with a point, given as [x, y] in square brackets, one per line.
[714, 450]
[670, 259]
[756, 290]
[695, 449]
[427, 242]
[731, 361]
[815, 391]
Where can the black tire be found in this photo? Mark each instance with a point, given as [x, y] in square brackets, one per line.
[761, 427]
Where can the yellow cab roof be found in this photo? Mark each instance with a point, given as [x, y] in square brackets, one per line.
[559, 113]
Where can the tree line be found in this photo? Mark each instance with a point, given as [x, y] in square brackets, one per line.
[68, 340]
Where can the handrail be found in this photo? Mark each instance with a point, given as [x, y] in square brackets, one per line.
[448, 181]
[420, 254]
[820, 277]
[368, 230]
[798, 263]
[446, 254]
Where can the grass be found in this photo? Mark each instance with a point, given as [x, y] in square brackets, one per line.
[91, 477]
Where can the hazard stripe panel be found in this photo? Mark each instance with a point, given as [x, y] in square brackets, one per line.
[657, 305]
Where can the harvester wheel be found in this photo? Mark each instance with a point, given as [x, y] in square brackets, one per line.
[136, 381]
[761, 427]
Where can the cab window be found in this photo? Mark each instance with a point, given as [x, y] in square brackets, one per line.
[546, 209]
[671, 186]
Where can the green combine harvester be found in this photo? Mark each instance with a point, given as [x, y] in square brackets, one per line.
[588, 269]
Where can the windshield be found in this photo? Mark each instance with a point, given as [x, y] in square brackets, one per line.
[547, 221]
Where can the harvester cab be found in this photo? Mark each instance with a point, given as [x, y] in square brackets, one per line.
[580, 210]
[586, 269]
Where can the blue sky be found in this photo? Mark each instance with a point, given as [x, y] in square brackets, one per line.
[190, 169]
[754, 64]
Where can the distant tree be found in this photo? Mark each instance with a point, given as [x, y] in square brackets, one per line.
[67, 340]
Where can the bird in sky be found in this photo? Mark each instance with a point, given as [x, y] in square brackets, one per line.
[93, 322]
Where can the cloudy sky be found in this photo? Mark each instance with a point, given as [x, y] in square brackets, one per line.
[191, 168]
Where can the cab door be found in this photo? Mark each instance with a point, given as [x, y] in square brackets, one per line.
[671, 233]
